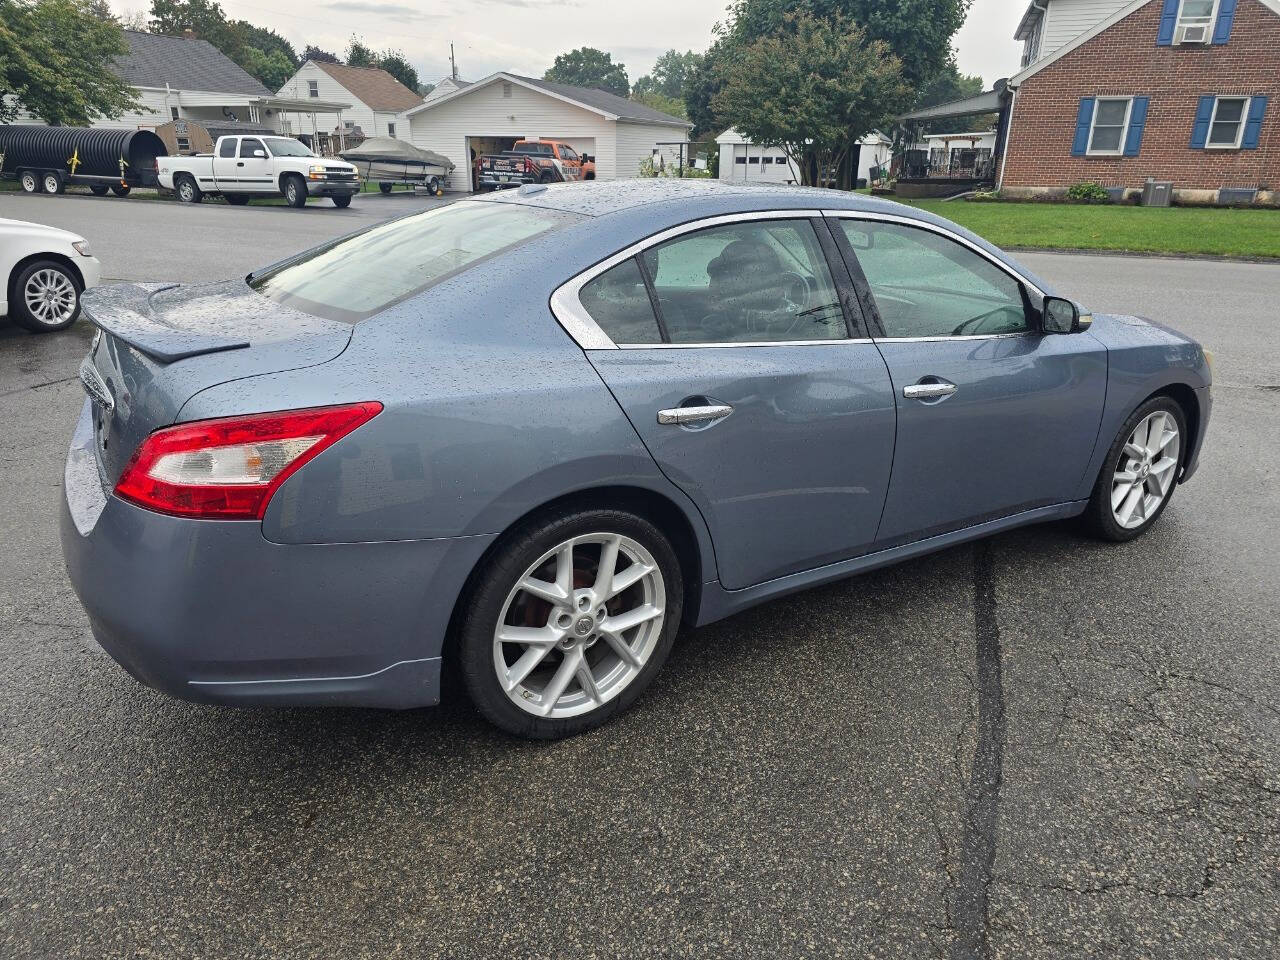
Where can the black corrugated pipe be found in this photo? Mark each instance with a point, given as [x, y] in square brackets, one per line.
[82, 151]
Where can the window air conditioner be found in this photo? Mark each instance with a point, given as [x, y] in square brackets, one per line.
[1189, 33]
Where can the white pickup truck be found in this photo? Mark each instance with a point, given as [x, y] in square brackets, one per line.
[241, 168]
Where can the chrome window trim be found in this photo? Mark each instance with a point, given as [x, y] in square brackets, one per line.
[963, 241]
[739, 343]
[568, 310]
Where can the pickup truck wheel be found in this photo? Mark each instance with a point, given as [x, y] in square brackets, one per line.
[384, 187]
[120, 189]
[98, 190]
[295, 191]
[237, 199]
[187, 190]
[341, 202]
[547, 177]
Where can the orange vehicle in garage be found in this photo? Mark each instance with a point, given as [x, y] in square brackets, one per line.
[529, 161]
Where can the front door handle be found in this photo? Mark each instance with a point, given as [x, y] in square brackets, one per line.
[928, 391]
[681, 416]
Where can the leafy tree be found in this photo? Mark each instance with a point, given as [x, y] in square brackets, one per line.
[313, 52]
[589, 67]
[358, 55]
[272, 70]
[660, 101]
[204, 18]
[55, 59]
[268, 41]
[424, 89]
[947, 85]
[670, 73]
[394, 62]
[702, 82]
[814, 86]
[133, 20]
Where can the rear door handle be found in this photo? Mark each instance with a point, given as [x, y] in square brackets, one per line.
[681, 416]
[240, 163]
[928, 391]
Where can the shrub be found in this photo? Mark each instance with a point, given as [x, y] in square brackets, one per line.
[1090, 191]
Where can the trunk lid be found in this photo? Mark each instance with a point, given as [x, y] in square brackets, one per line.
[161, 344]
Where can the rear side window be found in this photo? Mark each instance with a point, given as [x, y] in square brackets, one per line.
[227, 148]
[357, 276]
[619, 302]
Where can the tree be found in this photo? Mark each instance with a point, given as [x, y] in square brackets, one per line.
[660, 101]
[358, 55]
[272, 70]
[55, 62]
[268, 41]
[589, 67]
[394, 62]
[204, 18]
[814, 86]
[424, 89]
[313, 52]
[670, 73]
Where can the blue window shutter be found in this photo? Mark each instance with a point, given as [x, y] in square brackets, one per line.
[1168, 20]
[1222, 27]
[1080, 145]
[1204, 113]
[1253, 126]
[1137, 120]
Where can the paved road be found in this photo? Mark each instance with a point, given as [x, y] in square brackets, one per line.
[1038, 747]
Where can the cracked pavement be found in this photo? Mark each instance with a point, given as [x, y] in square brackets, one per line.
[1034, 747]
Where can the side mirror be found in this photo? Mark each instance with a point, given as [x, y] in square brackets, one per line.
[859, 239]
[258, 155]
[1062, 316]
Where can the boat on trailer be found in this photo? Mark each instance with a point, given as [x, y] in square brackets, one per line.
[388, 161]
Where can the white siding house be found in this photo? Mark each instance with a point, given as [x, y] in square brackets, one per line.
[490, 114]
[1049, 24]
[740, 159]
[376, 99]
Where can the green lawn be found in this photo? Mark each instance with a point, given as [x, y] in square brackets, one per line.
[1169, 230]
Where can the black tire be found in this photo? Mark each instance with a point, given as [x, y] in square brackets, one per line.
[385, 187]
[53, 182]
[342, 201]
[1098, 518]
[23, 316]
[98, 190]
[547, 177]
[237, 199]
[433, 186]
[121, 189]
[186, 190]
[295, 190]
[30, 181]
[484, 603]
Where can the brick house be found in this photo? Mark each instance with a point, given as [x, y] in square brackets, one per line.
[1175, 90]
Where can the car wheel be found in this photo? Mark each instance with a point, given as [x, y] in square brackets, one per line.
[187, 190]
[570, 621]
[433, 187]
[341, 202]
[53, 183]
[47, 296]
[384, 187]
[295, 191]
[121, 189]
[98, 190]
[547, 177]
[237, 199]
[30, 182]
[1140, 472]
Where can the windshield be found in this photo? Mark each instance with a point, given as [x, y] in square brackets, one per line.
[288, 147]
[357, 276]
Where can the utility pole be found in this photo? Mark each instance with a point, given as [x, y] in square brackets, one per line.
[453, 63]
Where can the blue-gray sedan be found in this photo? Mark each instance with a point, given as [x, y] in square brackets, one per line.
[530, 435]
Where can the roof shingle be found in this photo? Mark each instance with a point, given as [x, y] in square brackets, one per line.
[374, 87]
[620, 107]
[184, 64]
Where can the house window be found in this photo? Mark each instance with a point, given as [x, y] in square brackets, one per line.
[313, 88]
[1110, 121]
[1195, 21]
[740, 159]
[391, 129]
[1227, 126]
[184, 144]
[173, 113]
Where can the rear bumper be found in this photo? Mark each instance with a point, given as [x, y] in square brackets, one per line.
[211, 611]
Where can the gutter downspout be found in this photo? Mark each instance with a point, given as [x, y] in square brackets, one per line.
[1004, 147]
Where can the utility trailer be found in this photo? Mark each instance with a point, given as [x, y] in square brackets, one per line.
[47, 159]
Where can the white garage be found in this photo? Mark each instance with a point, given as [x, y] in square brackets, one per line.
[493, 113]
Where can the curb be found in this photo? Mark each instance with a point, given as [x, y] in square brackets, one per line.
[1146, 255]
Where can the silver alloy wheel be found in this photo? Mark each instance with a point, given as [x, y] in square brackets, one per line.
[186, 191]
[1146, 470]
[579, 625]
[50, 296]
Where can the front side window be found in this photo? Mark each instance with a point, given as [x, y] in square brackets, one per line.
[1228, 122]
[250, 144]
[927, 285]
[354, 277]
[288, 147]
[759, 280]
[1110, 122]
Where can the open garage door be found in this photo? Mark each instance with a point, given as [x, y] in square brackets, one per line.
[476, 148]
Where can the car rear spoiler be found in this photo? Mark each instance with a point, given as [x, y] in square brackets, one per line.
[128, 312]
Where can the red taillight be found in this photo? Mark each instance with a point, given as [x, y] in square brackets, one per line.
[228, 469]
[528, 165]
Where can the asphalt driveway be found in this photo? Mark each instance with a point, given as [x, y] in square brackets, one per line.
[1038, 746]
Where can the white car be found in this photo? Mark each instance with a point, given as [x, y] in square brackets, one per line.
[45, 270]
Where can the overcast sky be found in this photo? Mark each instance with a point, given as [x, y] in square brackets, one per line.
[524, 36]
